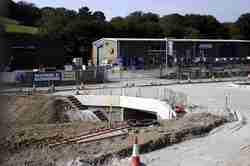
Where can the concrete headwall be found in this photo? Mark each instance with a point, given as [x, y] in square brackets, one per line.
[160, 108]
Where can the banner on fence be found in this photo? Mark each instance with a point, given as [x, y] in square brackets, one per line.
[48, 76]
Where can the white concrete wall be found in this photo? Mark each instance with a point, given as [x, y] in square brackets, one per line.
[162, 109]
[101, 101]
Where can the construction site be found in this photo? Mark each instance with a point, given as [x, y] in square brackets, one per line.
[181, 101]
[96, 124]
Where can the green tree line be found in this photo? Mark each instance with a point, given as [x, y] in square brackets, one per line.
[82, 27]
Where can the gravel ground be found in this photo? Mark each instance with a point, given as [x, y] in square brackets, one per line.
[227, 145]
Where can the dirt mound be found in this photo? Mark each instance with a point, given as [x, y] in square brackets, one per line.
[36, 120]
[150, 138]
[154, 138]
[29, 110]
[40, 135]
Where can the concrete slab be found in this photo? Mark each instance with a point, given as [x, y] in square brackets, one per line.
[160, 108]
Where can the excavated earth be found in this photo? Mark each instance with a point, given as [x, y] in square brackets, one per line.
[33, 122]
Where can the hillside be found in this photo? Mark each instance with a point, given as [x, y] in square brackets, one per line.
[5, 20]
[12, 26]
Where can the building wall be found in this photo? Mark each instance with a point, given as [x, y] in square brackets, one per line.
[94, 55]
[188, 53]
[243, 49]
[107, 52]
[142, 54]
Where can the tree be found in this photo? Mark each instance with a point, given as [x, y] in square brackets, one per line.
[152, 17]
[233, 30]
[244, 25]
[80, 28]
[173, 25]
[134, 15]
[99, 16]
[151, 30]
[140, 17]
[26, 13]
[138, 24]
[54, 21]
[4, 6]
[76, 29]
[81, 33]
[207, 25]
[84, 12]
[224, 32]
[192, 33]
[119, 27]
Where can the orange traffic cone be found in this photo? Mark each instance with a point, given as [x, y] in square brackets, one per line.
[135, 159]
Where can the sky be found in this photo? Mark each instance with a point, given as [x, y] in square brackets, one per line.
[223, 10]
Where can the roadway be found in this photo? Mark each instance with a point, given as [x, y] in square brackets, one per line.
[223, 145]
[143, 82]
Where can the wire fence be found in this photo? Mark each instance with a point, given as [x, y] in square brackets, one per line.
[106, 74]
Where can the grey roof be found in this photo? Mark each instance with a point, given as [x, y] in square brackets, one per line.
[208, 40]
[171, 39]
[130, 39]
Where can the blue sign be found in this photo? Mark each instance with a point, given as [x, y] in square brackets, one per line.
[99, 44]
[47, 76]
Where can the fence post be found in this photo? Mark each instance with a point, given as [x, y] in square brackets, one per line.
[165, 94]
[110, 116]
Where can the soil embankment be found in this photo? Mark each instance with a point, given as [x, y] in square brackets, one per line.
[37, 119]
[35, 125]
[29, 110]
[154, 138]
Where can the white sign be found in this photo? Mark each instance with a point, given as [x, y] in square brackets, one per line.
[171, 47]
[68, 67]
[77, 61]
[69, 76]
[83, 67]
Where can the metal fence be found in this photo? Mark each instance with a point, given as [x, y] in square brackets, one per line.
[106, 74]
[29, 78]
